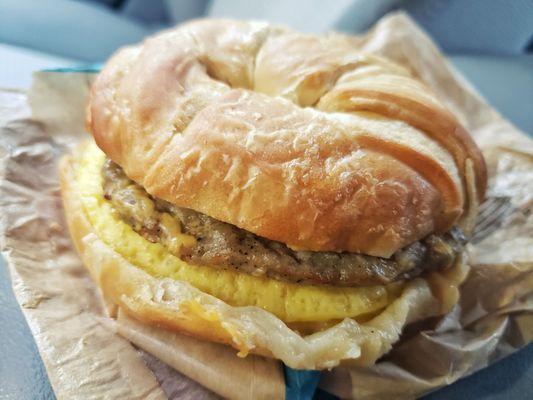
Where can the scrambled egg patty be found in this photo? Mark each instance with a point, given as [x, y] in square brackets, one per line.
[290, 302]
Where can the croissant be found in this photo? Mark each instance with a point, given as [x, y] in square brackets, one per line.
[246, 164]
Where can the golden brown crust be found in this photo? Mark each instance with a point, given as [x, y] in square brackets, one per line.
[297, 138]
[180, 307]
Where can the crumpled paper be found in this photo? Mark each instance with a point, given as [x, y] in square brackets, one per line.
[86, 353]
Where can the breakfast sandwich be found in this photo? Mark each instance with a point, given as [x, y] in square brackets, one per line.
[284, 193]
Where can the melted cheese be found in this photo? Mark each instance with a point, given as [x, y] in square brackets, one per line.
[290, 302]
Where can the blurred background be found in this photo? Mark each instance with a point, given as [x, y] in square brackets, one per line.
[491, 42]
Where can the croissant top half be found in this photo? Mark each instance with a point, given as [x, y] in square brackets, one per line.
[298, 138]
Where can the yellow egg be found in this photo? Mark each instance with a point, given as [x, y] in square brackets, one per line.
[290, 302]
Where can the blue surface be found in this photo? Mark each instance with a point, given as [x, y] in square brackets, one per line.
[511, 378]
[300, 385]
[506, 82]
[22, 373]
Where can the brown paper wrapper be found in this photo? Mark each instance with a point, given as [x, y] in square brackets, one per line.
[88, 354]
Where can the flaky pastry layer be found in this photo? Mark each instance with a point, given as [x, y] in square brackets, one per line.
[298, 138]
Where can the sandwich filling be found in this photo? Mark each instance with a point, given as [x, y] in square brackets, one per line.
[300, 305]
[202, 240]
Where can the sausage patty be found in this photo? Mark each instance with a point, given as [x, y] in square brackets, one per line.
[221, 245]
